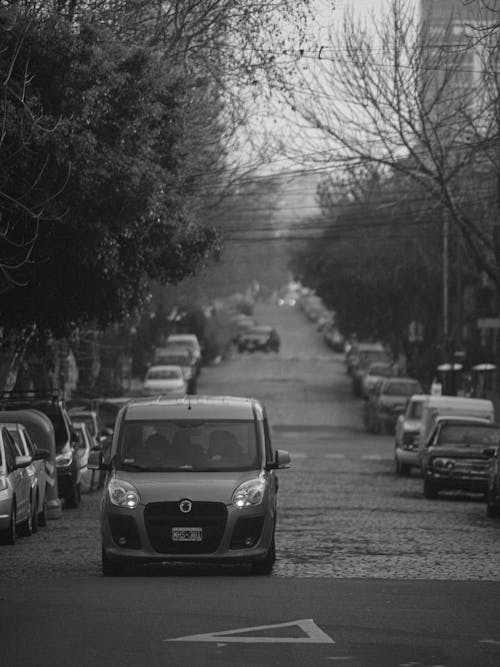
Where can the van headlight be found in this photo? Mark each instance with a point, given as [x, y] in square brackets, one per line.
[249, 493]
[123, 494]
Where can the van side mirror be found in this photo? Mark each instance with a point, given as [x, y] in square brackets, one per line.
[281, 460]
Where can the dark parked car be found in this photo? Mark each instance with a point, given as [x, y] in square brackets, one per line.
[260, 337]
[68, 471]
[455, 456]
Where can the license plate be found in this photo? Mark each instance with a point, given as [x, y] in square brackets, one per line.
[187, 534]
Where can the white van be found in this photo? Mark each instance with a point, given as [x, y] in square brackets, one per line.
[456, 406]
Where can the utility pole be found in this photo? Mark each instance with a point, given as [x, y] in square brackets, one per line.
[446, 234]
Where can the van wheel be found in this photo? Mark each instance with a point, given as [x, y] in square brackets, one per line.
[72, 499]
[43, 514]
[34, 517]
[265, 566]
[8, 536]
[109, 567]
[26, 528]
[430, 491]
[402, 469]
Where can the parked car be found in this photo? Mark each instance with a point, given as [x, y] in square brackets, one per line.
[166, 380]
[387, 402]
[434, 407]
[191, 479]
[100, 434]
[15, 490]
[88, 478]
[260, 338]
[333, 338]
[455, 456]
[493, 483]
[54, 406]
[362, 356]
[408, 426]
[178, 355]
[36, 472]
[189, 340]
[373, 374]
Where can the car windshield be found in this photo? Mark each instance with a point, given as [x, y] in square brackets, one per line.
[86, 418]
[163, 374]
[367, 357]
[401, 388]
[415, 410]
[468, 434]
[188, 446]
[381, 370]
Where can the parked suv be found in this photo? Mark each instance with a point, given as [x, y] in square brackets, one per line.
[190, 479]
[52, 405]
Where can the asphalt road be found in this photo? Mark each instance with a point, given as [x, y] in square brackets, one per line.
[368, 572]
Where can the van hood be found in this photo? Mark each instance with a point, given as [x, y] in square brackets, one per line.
[196, 486]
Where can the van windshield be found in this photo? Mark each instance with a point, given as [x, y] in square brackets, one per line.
[188, 446]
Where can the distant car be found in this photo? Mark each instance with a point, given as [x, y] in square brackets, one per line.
[408, 427]
[15, 490]
[455, 456]
[360, 358]
[387, 402]
[165, 380]
[375, 372]
[190, 479]
[333, 338]
[178, 355]
[189, 340]
[99, 432]
[36, 472]
[262, 337]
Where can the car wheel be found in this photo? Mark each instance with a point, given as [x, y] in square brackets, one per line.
[430, 491]
[492, 510]
[43, 514]
[26, 528]
[34, 518]
[8, 536]
[109, 567]
[72, 499]
[402, 469]
[266, 565]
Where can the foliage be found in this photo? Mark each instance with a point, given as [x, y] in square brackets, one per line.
[110, 159]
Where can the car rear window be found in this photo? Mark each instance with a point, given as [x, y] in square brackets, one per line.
[401, 388]
[188, 446]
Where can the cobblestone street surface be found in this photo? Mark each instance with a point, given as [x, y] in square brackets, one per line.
[342, 511]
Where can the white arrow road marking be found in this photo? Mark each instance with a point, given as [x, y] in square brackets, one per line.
[314, 635]
[371, 457]
[489, 641]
